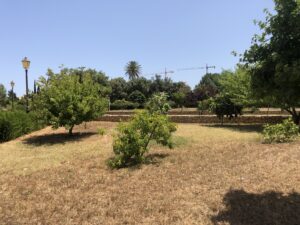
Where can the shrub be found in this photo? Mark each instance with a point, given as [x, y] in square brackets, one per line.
[204, 105]
[223, 106]
[101, 131]
[17, 123]
[158, 103]
[283, 132]
[137, 97]
[133, 138]
[123, 104]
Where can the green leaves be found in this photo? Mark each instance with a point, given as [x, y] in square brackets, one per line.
[133, 70]
[283, 132]
[67, 99]
[274, 57]
[133, 138]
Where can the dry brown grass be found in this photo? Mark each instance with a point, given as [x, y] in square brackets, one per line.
[215, 175]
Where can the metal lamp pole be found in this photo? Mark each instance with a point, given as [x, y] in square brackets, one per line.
[12, 84]
[26, 64]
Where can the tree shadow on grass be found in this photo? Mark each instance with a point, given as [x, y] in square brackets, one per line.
[150, 159]
[237, 127]
[59, 138]
[155, 158]
[269, 208]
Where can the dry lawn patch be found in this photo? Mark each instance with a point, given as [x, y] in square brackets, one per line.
[215, 175]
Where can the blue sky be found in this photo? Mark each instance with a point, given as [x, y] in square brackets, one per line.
[105, 35]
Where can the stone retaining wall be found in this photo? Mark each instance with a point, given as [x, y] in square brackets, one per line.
[195, 112]
[205, 119]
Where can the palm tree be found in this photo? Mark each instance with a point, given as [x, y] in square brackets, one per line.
[133, 69]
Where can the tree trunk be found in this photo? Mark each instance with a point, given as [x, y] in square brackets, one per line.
[71, 130]
[295, 115]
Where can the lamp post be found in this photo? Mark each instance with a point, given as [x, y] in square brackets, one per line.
[12, 84]
[26, 64]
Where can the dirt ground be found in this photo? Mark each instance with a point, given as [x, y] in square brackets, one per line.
[215, 175]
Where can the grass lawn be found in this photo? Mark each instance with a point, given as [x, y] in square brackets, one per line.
[215, 175]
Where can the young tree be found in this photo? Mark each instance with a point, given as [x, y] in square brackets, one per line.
[133, 138]
[274, 57]
[3, 98]
[66, 100]
[133, 70]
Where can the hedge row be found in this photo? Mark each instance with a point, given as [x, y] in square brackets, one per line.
[195, 112]
[15, 124]
[206, 119]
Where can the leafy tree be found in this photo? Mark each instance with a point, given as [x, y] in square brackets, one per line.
[179, 93]
[3, 99]
[133, 138]
[179, 98]
[139, 84]
[133, 70]
[208, 87]
[137, 97]
[118, 89]
[159, 84]
[237, 85]
[222, 106]
[274, 57]
[66, 100]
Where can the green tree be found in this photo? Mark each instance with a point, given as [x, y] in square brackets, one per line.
[208, 87]
[133, 138]
[222, 106]
[237, 85]
[140, 84]
[133, 70]
[118, 89]
[3, 98]
[137, 97]
[274, 58]
[66, 100]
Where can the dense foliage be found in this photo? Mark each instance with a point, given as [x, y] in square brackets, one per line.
[133, 138]
[283, 132]
[17, 123]
[123, 104]
[70, 97]
[274, 58]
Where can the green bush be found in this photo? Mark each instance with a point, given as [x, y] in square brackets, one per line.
[17, 123]
[137, 97]
[283, 132]
[101, 131]
[133, 138]
[123, 104]
[205, 105]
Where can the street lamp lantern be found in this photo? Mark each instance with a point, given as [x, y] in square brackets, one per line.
[26, 63]
[12, 84]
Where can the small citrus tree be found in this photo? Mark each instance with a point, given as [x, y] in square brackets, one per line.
[133, 138]
[66, 99]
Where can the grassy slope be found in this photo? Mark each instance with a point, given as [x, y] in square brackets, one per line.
[215, 175]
